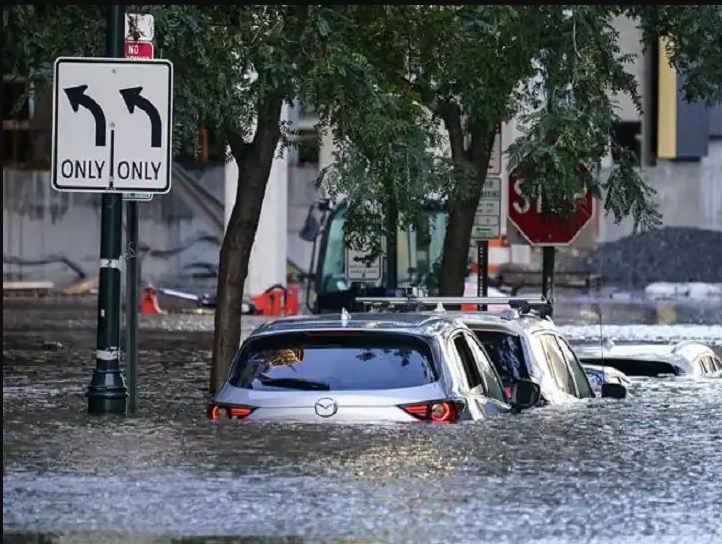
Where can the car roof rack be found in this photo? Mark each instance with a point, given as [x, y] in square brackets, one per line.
[523, 305]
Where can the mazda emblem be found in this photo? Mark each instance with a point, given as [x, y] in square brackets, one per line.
[326, 407]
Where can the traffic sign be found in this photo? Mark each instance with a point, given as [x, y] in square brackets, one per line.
[112, 122]
[138, 197]
[139, 27]
[494, 168]
[487, 220]
[358, 268]
[138, 50]
[546, 230]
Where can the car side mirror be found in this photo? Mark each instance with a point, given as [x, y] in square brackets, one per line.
[525, 394]
[614, 390]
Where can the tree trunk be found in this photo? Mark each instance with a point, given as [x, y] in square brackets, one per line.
[462, 210]
[254, 166]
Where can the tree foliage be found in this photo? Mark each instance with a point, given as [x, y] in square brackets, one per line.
[555, 69]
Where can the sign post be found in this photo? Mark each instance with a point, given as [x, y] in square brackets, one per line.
[112, 121]
[487, 226]
[134, 50]
[107, 392]
[548, 255]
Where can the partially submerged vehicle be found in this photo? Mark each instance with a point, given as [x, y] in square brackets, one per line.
[366, 367]
[599, 375]
[689, 358]
[523, 343]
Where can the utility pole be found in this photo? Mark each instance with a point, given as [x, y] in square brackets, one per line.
[107, 392]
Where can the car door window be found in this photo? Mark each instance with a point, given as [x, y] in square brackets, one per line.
[471, 370]
[494, 388]
[702, 362]
[709, 364]
[580, 376]
[717, 364]
[562, 375]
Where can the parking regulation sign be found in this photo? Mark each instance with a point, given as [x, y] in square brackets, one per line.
[112, 125]
[487, 219]
[358, 267]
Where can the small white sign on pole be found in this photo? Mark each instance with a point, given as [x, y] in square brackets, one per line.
[358, 268]
[487, 221]
[139, 27]
[138, 197]
[112, 125]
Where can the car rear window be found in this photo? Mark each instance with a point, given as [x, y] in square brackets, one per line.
[506, 354]
[333, 362]
[632, 367]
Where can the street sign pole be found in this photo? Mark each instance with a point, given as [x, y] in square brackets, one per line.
[132, 271]
[132, 278]
[548, 254]
[107, 392]
[482, 274]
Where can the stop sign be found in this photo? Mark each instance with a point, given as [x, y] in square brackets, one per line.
[545, 230]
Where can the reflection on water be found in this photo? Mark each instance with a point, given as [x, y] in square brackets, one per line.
[645, 469]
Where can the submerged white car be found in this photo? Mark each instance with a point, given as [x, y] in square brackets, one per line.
[689, 358]
[523, 343]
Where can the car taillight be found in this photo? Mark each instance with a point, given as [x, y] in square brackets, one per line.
[438, 411]
[216, 412]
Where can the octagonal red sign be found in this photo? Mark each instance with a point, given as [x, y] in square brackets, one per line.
[545, 230]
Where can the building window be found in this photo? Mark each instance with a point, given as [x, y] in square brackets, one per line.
[628, 135]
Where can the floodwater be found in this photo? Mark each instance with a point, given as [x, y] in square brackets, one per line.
[644, 469]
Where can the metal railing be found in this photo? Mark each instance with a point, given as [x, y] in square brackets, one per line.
[522, 304]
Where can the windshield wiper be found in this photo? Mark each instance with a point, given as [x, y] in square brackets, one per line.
[295, 383]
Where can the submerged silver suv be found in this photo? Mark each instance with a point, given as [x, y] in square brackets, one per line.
[366, 367]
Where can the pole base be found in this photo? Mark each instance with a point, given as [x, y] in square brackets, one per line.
[107, 393]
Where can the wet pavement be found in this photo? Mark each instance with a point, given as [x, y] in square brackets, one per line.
[645, 469]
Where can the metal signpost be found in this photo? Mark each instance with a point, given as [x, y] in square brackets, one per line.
[112, 121]
[143, 27]
[487, 226]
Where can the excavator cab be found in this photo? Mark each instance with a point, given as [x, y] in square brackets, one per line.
[418, 252]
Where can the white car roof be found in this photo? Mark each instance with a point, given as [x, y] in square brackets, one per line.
[646, 352]
[509, 322]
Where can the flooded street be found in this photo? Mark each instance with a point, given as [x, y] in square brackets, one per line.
[645, 469]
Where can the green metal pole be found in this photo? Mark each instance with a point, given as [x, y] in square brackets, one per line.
[132, 277]
[107, 392]
[548, 254]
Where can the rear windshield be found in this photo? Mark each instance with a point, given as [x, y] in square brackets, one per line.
[635, 368]
[333, 362]
[506, 353]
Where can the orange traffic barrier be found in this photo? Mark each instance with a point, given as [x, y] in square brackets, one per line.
[149, 302]
[292, 303]
[277, 300]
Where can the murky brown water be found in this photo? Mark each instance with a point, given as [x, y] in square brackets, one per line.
[646, 469]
